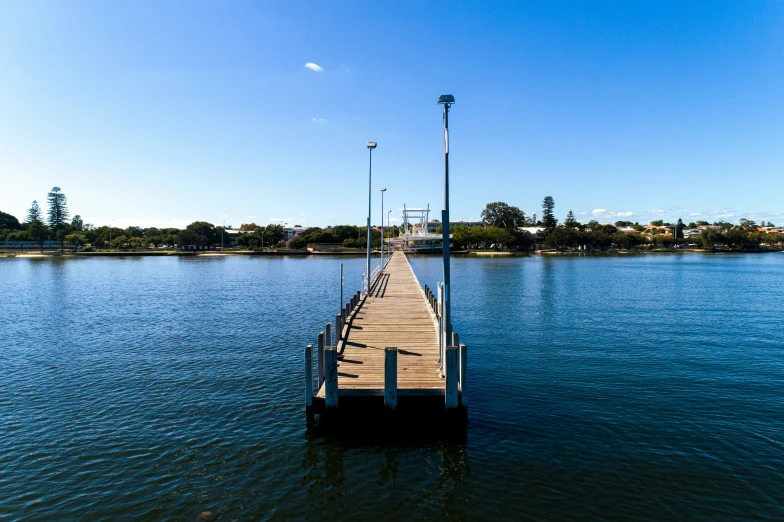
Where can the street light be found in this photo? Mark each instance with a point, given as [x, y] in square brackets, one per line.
[370, 145]
[446, 100]
[110, 235]
[382, 226]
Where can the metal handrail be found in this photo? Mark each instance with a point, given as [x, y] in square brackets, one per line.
[375, 271]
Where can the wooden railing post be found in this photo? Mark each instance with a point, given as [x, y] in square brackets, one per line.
[331, 378]
[452, 369]
[463, 371]
[390, 379]
[309, 383]
[328, 336]
[320, 360]
[455, 339]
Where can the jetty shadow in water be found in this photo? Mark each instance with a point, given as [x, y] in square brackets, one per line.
[364, 419]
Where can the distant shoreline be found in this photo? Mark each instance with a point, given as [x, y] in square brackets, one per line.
[306, 253]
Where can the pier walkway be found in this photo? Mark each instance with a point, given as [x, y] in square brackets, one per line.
[388, 343]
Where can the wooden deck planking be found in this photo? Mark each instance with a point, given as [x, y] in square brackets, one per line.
[395, 314]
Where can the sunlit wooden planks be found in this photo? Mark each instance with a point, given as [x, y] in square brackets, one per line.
[395, 314]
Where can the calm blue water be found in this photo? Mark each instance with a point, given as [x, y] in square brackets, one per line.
[608, 387]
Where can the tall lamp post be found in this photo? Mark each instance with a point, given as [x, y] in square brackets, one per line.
[110, 235]
[446, 100]
[370, 145]
[382, 226]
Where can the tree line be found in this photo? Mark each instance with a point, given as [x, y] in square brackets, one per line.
[56, 224]
[502, 227]
[502, 224]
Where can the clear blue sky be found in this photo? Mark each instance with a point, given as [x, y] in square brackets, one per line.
[162, 113]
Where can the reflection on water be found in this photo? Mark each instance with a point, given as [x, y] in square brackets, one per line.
[345, 470]
[618, 388]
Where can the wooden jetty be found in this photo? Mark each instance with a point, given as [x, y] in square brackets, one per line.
[387, 343]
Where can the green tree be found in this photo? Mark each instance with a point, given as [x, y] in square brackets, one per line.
[501, 215]
[548, 217]
[343, 232]
[679, 229]
[120, 241]
[76, 239]
[274, 234]
[8, 221]
[77, 223]
[711, 237]
[571, 222]
[563, 237]
[36, 229]
[200, 234]
[57, 215]
[627, 241]
[747, 224]
[724, 225]
[137, 242]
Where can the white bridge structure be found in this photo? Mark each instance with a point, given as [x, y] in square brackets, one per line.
[415, 236]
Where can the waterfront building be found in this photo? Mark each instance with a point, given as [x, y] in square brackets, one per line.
[294, 231]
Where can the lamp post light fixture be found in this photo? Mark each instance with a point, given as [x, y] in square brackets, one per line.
[382, 227]
[446, 100]
[370, 145]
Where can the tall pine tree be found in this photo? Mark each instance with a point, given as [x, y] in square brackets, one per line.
[58, 214]
[36, 229]
[570, 221]
[33, 213]
[548, 218]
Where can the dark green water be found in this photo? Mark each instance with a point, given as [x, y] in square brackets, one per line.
[615, 388]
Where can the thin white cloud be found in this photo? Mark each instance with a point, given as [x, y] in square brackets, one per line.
[345, 68]
[314, 67]
[319, 120]
[603, 213]
[280, 220]
[656, 212]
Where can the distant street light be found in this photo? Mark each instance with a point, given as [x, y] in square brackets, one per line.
[110, 234]
[382, 226]
[446, 100]
[370, 145]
